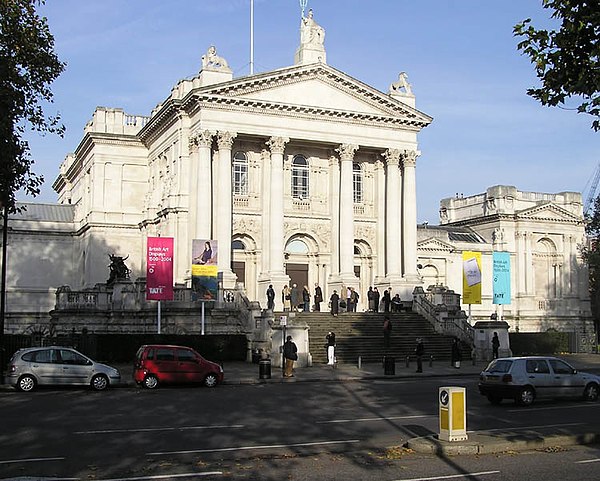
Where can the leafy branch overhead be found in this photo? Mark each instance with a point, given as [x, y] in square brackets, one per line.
[28, 65]
[566, 60]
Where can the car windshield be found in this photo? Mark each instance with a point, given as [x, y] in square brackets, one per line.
[499, 365]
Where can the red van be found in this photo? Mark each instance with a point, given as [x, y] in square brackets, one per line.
[157, 364]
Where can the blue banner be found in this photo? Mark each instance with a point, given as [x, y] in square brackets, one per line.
[501, 280]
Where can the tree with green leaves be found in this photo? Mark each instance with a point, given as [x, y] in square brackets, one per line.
[566, 60]
[28, 65]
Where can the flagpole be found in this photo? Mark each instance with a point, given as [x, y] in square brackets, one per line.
[251, 37]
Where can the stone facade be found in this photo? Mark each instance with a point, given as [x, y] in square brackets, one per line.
[308, 174]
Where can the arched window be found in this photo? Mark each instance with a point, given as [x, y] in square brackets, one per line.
[300, 177]
[357, 181]
[238, 245]
[240, 174]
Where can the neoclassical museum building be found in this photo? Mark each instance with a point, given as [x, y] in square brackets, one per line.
[301, 175]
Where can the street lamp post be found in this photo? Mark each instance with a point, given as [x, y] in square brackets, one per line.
[3, 287]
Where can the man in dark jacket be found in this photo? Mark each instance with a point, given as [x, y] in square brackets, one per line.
[290, 354]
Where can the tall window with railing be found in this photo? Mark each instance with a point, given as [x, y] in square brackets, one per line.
[300, 177]
[357, 181]
[240, 174]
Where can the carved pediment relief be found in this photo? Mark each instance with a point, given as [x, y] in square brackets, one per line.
[547, 212]
[433, 244]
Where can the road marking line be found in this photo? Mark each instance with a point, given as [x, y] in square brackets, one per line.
[145, 430]
[376, 419]
[516, 428]
[571, 406]
[30, 460]
[452, 476]
[588, 461]
[166, 476]
[246, 448]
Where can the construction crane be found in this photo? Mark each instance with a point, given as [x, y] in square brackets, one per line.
[589, 200]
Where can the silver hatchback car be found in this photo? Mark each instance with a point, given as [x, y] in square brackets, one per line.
[56, 365]
[526, 378]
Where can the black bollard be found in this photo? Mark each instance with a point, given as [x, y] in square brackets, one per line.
[407, 361]
[431, 361]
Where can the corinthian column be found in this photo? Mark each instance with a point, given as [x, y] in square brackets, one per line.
[346, 252]
[223, 212]
[277, 146]
[393, 218]
[201, 185]
[409, 215]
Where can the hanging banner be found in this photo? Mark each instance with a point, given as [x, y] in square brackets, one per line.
[471, 277]
[501, 279]
[159, 269]
[204, 269]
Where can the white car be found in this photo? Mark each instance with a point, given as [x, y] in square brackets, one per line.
[526, 378]
[56, 365]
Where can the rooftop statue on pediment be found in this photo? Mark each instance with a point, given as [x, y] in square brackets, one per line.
[312, 41]
[213, 61]
[310, 31]
[401, 86]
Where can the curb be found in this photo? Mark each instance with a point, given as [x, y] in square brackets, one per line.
[489, 444]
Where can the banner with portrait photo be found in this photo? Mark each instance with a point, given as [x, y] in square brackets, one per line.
[501, 279]
[471, 277]
[204, 269]
[159, 269]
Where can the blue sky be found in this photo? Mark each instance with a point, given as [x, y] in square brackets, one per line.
[460, 56]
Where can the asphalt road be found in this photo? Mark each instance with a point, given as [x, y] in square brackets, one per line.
[300, 431]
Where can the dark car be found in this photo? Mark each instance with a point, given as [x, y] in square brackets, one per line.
[526, 378]
[165, 364]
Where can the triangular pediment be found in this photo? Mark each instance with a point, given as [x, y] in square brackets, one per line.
[315, 89]
[547, 212]
[434, 244]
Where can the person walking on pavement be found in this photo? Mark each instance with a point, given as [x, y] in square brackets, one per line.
[419, 351]
[456, 356]
[387, 332]
[318, 297]
[270, 297]
[495, 345]
[330, 338]
[290, 354]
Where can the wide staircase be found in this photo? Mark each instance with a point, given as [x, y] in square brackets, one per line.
[360, 334]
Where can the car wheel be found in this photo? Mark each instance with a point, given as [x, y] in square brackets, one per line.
[211, 380]
[99, 382]
[151, 381]
[494, 399]
[26, 383]
[526, 396]
[591, 392]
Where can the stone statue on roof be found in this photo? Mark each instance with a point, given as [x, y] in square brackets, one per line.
[211, 60]
[402, 85]
[310, 31]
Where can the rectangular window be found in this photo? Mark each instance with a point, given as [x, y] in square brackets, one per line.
[240, 179]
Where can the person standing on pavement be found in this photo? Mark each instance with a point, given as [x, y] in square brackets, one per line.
[419, 351]
[306, 299]
[376, 299]
[456, 356]
[348, 299]
[330, 339]
[318, 297]
[295, 297]
[290, 354]
[495, 345]
[387, 332]
[387, 300]
[371, 299]
[270, 297]
[286, 298]
[334, 300]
